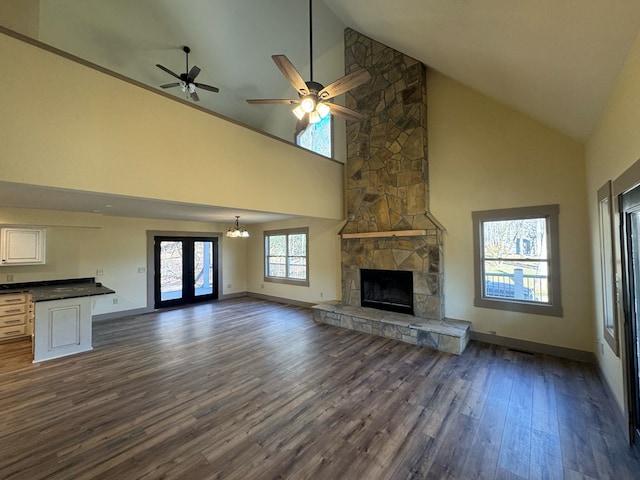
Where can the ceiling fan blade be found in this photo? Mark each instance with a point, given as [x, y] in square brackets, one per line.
[345, 84]
[291, 74]
[272, 100]
[194, 96]
[169, 85]
[344, 112]
[207, 87]
[193, 73]
[168, 71]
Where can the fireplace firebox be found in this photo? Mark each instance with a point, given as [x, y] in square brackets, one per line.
[390, 290]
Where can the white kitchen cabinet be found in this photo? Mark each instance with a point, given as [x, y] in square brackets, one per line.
[22, 246]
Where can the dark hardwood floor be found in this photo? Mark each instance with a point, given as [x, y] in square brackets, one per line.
[247, 389]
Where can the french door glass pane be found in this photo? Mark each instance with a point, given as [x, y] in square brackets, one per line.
[202, 268]
[171, 253]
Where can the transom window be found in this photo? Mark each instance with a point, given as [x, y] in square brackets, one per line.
[516, 259]
[286, 256]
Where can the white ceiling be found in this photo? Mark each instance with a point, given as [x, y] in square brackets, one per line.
[231, 41]
[554, 60]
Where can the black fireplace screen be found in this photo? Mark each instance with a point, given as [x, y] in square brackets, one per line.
[389, 290]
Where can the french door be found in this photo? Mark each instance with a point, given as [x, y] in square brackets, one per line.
[630, 236]
[186, 270]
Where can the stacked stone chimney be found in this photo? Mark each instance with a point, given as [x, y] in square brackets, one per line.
[388, 226]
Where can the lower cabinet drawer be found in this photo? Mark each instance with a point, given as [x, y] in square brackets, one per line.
[13, 320]
[15, 331]
[13, 309]
[12, 298]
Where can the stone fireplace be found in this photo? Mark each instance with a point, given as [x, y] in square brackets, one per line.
[389, 227]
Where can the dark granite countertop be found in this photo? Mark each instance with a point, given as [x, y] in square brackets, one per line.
[58, 289]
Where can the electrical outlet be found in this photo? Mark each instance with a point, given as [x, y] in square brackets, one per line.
[9, 278]
[142, 269]
[262, 286]
[99, 272]
[115, 301]
[228, 285]
[321, 295]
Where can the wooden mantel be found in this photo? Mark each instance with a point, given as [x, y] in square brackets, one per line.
[390, 233]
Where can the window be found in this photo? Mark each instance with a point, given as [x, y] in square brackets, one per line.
[607, 233]
[517, 266]
[317, 137]
[286, 256]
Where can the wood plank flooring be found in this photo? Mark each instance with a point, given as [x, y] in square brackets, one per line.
[248, 389]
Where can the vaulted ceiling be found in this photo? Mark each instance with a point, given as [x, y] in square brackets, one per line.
[554, 60]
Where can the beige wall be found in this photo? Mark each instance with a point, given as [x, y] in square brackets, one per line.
[79, 244]
[611, 149]
[81, 129]
[23, 16]
[324, 261]
[110, 136]
[484, 156]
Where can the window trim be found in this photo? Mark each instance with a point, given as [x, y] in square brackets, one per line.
[607, 264]
[550, 212]
[286, 231]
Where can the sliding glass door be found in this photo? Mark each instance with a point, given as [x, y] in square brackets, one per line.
[186, 270]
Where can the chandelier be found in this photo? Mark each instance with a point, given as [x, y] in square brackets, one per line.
[235, 231]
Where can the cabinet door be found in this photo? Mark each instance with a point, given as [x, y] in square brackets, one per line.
[22, 246]
[62, 327]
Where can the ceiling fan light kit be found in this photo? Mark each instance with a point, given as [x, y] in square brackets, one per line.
[186, 81]
[313, 103]
[323, 109]
[308, 104]
[314, 100]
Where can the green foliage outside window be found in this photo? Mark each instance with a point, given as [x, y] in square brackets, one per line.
[286, 256]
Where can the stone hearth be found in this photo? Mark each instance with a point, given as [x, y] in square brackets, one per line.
[449, 336]
[388, 225]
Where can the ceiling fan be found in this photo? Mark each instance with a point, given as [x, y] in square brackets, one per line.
[186, 81]
[313, 98]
